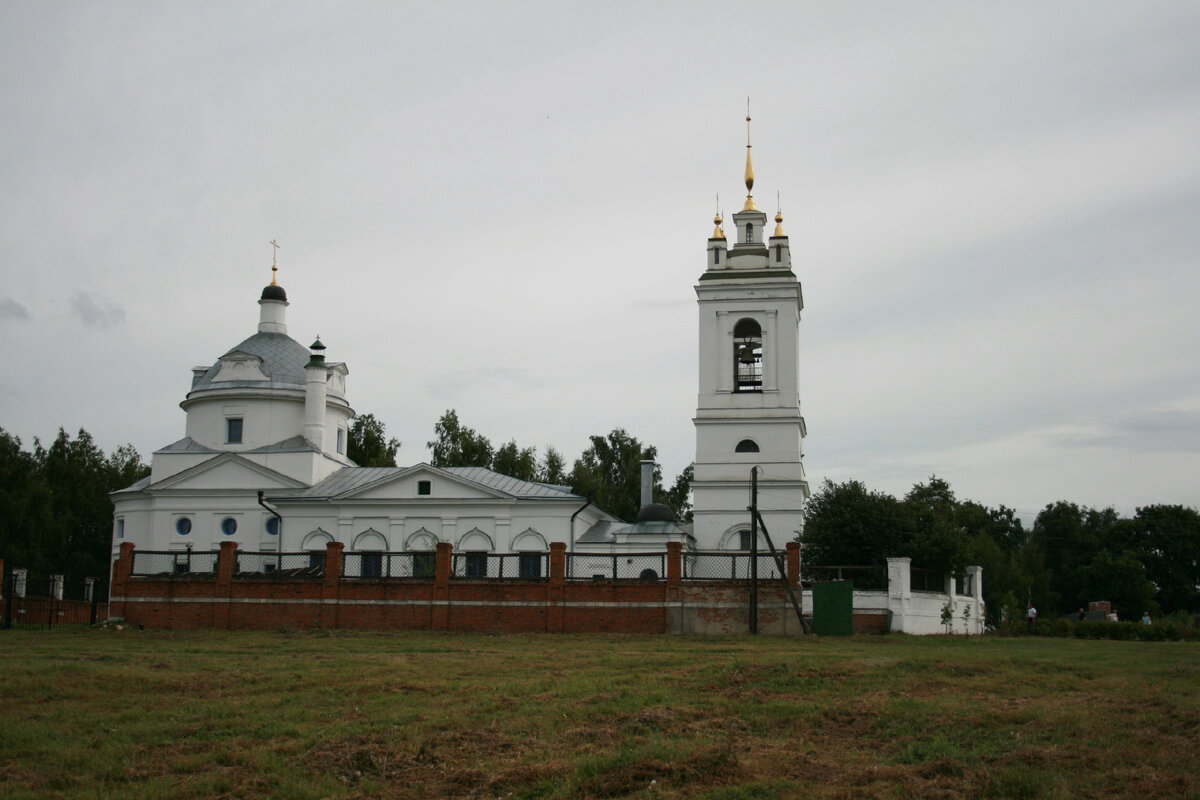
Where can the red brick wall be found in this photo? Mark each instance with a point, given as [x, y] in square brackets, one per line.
[553, 605]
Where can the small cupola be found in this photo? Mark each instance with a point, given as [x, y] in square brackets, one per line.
[318, 354]
[273, 303]
[780, 254]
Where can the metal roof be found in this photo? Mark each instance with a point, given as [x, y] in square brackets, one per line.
[349, 479]
[295, 444]
[607, 532]
[185, 445]
[283, 360]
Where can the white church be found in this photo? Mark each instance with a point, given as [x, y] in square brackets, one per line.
[263, 459]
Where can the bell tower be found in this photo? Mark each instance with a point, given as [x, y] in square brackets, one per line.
[748, 407]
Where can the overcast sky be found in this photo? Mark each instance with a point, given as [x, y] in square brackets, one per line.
[994, 210]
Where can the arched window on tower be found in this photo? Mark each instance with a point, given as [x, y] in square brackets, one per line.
[749, 232]
[746, 446]
[747, 356]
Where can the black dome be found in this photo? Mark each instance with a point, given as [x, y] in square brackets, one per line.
[655, 512]
[274, 292]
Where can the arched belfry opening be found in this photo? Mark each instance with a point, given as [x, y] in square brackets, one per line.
[747, 356]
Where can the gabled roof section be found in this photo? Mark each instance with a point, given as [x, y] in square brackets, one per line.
[185, 445]
[296, 444]
[513, 486]
[230, 471]
[136, 486]
[351, 481]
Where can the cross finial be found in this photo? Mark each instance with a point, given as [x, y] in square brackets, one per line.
[274, 265]
[749, 166]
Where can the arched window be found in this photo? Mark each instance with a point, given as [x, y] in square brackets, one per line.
[747, 356]
[749, 232]
[746, 446]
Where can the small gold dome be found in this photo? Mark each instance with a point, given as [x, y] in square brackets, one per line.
[719, 233]
[779, 224]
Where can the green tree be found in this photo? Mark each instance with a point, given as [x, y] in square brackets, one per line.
[610, 471]
[679, 497]
[516, 462]
[456, 445]
[25, 508]
[553, 469]
[1068, 537]
[369, 445]
[1121, 579]
[996, 542]
[937, 541]
[1167, 541]
[848, 525]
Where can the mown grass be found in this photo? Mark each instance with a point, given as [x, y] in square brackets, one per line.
[155, 714]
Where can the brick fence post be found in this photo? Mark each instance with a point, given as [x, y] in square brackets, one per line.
[331, 587]
[556, 587]
[121, 570]
[440, 619]
[223, 589]
[793, 564]
[674, 568]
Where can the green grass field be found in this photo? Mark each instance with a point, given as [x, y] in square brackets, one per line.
[101, 713]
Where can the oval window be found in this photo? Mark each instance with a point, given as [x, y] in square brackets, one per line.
[273, 526]
[183, 526]
[229, 526]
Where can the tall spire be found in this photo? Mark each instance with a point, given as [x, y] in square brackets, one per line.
[749, 166]
[778, 216]
[718, 218]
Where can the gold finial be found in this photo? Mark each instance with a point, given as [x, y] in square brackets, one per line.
[274, 266]
[749, 166]
[778, 217]
[718, 218]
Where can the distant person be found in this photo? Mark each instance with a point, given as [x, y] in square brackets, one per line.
[1112, 616]
[1082, 615]
[1145, 617]
[1031, 615]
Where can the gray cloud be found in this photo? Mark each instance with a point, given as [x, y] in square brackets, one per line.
[96, 312]
[11, 309]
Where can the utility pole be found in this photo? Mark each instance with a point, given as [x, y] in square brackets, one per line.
[754, 550]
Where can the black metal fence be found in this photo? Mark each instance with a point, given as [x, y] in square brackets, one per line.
[926, 580]
[617, 567]
[723, 565]
[46, 602]
[501, 566]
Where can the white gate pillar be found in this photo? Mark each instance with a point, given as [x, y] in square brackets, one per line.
[899, 591]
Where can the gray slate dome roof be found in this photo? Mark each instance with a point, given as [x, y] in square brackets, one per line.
[655, 512]
[283, 360]
[274, 292]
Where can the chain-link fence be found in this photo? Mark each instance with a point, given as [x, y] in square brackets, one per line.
[501, 566]
[719, 565]
[279, 565]
[160, 563]
[617, 567]
[420, 565]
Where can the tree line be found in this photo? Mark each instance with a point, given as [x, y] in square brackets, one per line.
[1071, 555]
[55, 514]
